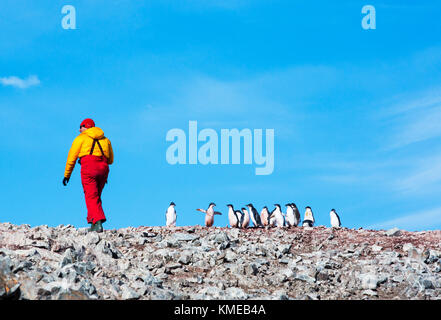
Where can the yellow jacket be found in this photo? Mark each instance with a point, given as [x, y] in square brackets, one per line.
[82, 145]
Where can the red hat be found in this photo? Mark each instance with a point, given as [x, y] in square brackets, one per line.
[88, 123]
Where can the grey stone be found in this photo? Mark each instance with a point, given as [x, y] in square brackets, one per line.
[235, 293]
[369, 281]
[304, 277]
[184, 237]
[221, 238]
[128, 293]
[394, 232]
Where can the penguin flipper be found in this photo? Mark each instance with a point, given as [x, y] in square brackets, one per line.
[201, 210]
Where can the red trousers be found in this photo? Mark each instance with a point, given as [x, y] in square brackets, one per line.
[94, 172]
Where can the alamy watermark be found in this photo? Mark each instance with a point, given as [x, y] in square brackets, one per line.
[208, 152]
[369, 20]
[69, 21]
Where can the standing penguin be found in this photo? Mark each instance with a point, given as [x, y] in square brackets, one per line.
[335, 219]
[254, 215]
[308, 220]
[276, 218]
[170, 215]
[296, 214]
[289, 217]
[209, 214]
[245, 218]
[264, 216]
[233, 216]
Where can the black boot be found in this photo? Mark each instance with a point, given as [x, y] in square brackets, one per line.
[98, 226]
[92, 227]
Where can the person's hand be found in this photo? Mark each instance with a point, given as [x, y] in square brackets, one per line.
[65, 181]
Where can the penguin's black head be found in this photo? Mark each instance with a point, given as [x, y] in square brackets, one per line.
[229, 205]
[277, 205]
[288, 204]
[249, 205]
[172, 203]
[308, 208]
[243, 209]
[294, 205]
[333, 210]
[212, 204]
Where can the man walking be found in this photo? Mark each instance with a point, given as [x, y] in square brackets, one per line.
[95, 153]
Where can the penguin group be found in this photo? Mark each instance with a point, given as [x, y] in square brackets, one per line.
[242, 218]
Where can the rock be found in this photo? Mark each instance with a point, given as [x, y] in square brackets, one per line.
[171, 266]
[72, 295]
[230, 256]
[370, 292]
[394, 232]
[221, 238]
[184, 237]
[128, 293]
[211, 292]
[322, 276]
[280, 295]
[91, 239]
[432, 256]
[235, 294]
[284, 248]
[369, 281]
[304, 277]
[185, 258]
[288, 273]
[45, 263]
[426, 284]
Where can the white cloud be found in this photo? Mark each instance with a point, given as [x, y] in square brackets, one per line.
[422, 220]
[414, 119]
[20, 83]
[424, 177]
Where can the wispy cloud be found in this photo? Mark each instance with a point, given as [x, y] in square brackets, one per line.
[414, 120]
[20, 83]
[425, 176]
[427, 219]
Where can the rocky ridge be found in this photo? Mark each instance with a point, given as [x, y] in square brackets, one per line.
[218, 263]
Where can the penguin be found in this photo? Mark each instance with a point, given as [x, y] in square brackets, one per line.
[170, 215]
[335, 219]
[233, 216]
[308, 221]
[276, 218]
[245, 218]
[209, 214]
[296, 214]
[255, 217]
[238, 215]
[264, 216]
[289, 217]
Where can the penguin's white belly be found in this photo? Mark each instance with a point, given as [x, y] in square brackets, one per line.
[335, 221]
[272, 221]
[280, 220]
[233, 220]
[171, 219]
[253, 218]
[290, 219]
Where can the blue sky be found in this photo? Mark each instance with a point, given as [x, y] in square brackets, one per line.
[356, 112]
